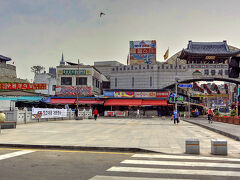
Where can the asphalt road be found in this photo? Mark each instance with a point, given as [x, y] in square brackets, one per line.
[24, 164]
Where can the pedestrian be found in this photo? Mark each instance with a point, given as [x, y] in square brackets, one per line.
[197, 112]
[95, 113]
[138, 113]
[175, 116]
[210, 115]
[76, 112]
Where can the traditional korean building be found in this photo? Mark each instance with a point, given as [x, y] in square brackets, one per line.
[207, 53]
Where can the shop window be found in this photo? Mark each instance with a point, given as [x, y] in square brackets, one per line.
[132, 81]
[115, 82]
[81, 81]
[151, 81]
[66, 80]
[53, 87]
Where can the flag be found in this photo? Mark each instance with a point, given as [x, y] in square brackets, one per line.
[128, 59]
[166, 54]
[13, 62]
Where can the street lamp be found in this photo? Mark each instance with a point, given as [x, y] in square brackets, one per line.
[176, 82]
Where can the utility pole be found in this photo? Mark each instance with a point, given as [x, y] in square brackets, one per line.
[176, 81]
[77, 82]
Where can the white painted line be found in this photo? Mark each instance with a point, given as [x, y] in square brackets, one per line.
[14, 154]
[184, 157]
[127, 178]
[174, 163]
[175, 171]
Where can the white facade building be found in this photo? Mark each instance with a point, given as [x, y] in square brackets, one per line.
[88, 80]
[159, 76]
[48, 79]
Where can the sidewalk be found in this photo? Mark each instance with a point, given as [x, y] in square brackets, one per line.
[229, 130]
[158, 135]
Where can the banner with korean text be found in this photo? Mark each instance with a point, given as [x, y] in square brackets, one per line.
[48, 113]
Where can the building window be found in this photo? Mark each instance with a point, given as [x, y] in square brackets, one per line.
[66, 81]
[143, 67]
[147, 66]
[171, 66]
[124, 68]
[112, 69]
[162, 66]
[140, 67]
[116, 68]
[132, 81]
[81, 81]
[152, 67]
[131, 67]
[151, 81]
[53, 87]
[115, 82]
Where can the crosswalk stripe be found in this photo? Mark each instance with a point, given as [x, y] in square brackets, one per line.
[174, 163]
[184, 157]
[128, 178]
[174, 171]
[14, 154]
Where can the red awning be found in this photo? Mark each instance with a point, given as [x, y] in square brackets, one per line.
[90, 102]
[63, 101]
[154, 103]
[123, 102]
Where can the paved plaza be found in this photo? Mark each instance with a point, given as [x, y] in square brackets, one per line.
[159, 135]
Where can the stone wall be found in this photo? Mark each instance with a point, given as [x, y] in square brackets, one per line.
[7, 70]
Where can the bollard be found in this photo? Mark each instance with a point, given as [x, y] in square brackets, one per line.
[218, 147]
[192, 146]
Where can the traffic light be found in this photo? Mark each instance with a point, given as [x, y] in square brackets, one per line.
[234, 67]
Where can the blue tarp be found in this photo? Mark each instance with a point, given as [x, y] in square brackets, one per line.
[23, 98]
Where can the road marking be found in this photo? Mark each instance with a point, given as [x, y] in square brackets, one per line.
[55, 150]
[14, 154]
[184, 157]
[174, 171]
[127, 178]
[174, 163]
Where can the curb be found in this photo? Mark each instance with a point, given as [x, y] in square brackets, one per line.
[216, 130]
[79, 148]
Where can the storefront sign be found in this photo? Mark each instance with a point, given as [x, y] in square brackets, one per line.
[143, 44]
[108, 93]
[162, 94]
[143, 51]
[23, 86]
[48, 113]
[74, 72]
[137, 94]
[145, 94]
[109, 113]
[120, 113]
[72, 90]
[211, 95]
[124, 94]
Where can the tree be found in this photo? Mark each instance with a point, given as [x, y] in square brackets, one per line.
[37, 69]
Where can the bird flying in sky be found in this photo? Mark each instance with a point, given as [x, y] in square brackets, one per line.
[101, 14]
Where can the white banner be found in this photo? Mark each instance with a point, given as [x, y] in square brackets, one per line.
[48, 113]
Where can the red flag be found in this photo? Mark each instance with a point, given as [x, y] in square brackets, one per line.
[13, 62]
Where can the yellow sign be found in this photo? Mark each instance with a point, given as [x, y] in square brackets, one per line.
[211, 95]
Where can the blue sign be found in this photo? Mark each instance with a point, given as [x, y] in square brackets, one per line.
[108, 93]
[185, 85]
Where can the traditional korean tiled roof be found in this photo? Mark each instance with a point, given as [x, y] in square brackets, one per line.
[208, 49]
[4, 58]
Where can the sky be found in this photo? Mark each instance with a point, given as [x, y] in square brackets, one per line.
[36, 32]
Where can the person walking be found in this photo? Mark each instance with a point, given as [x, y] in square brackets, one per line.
[210, 115]
[95, 113]
[138, 113]
[76, 112]
[175, 116]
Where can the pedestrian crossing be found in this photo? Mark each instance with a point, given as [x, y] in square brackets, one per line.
[163, 166]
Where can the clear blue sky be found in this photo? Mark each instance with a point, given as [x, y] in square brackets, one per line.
[36, 32]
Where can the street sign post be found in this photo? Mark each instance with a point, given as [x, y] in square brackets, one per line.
[185, 85]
